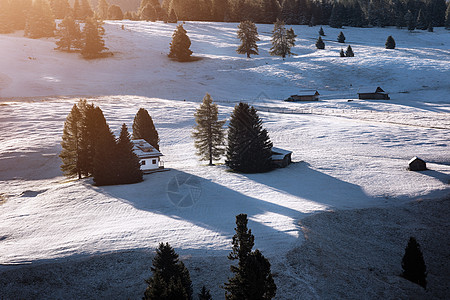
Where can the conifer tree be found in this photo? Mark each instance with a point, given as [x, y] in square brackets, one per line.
[143, 128]
[249, 148]
[271, 10]
[248, 34]
[93, 41]
[321, 32]
[421, 23]
[341, 37]
[349, 52]
[320, 44]
[40, 21]
[336, 15]
[413, 264]
[410, 21]
[204, 294]
[115, 12]
[92, 120]
[253, 278]
[102, 9]
[220, 10]
[60, 8]
[282, 40]
[447, 17]
[129, 168]
[77, 11]
[209, 133]
[19, 12]
[342, 54]
[172, 17]
[6, 25]
[170, 279]
[86, 9]
[430, 27]
[390, 42]
[69, 34]
[179, 47]
[70, 154]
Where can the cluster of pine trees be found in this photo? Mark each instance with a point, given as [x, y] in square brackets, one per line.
[252, 276]
[89, 148]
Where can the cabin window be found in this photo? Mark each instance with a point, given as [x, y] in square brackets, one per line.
[142, 162]
[154, 162]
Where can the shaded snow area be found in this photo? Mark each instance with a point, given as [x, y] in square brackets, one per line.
[334, 224]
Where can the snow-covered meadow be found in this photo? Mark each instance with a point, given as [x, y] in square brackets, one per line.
[347, 154]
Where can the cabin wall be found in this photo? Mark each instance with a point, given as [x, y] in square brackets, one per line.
[149, 163]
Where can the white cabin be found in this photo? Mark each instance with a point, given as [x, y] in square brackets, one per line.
[149, 157]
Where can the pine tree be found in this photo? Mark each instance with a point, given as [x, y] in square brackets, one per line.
[321, 32]
[143, 128]
[336, 15]
[92, 119]
[204, 294]
[249, 148]
[172, 17]
[179, 47]
[209, 133]
[282, 40]
[253, 278]
[115, 12]
[320, 44]
[129, 168]
[349, 52]
[148, 13]
[248, 34]
[410, 21]
[170, 279]
[413, 265]
[341, 53]
[422, 23]
[69, 35]
[86, 11]
[70, 154]
[77, 11]
[102, 9]
[93, 41]
[60, 8]
[436, 10]
[40, 21]
[390, 42]
[341, 37]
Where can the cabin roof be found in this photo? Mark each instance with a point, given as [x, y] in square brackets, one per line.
[414, 159]
[144, 150]
[278, 153]
[367, 91]
[307, 93]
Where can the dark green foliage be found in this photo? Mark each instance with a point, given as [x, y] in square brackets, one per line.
[320, 44]
[422, 22]
[69, 34]
[115, 13]
[447, 17]
[92, 119]
[94, 45]
[349, 52]
[341, 53]
[102, 9]
[209, 133]
[390, 42]
[341, 37]
[170, 279]
[179, 47]
[40, 21]
[143, 128]
[321, 32]
[337, 15]
[70, 153]
[282, 40]
[410, 21]
[248, 34]
[252, 276]
[430, 28]
[204, 294]
[436, 11]
[129, 168]
[249, 148]
[413, 264]
[270, 10]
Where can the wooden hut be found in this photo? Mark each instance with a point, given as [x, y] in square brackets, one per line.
[149, 157]
[280, 157]
[306, 95]
[417, 164]
[379, 94]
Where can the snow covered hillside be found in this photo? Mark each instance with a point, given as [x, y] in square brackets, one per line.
[347, 154]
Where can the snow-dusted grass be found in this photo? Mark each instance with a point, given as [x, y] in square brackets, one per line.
[347, 155]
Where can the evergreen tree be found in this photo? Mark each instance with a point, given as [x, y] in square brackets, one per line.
[115, 12]
[349, 52]
[19, 12]
[320, 44]
[102, 9]
[129, 168]
[172, 17]
[248, 34]
[249, 148]
[6, 25]
[92, 120]
[410, 21]
[77, 11]
[342, 54]
[60, 8]
[282, 40]
[204, 294]
[93, 41]
[143, 128]
[179, 47]
[220, 10]
[422, 23]
[40, 21]
[390, 42]
[70, 154]
[321, 32]
[413, 265]
[437, 12]
[86, 11]
[209, 133]
[253, 278]
[447, 17]
[430, 27]
[148, 13]
[69, 35]
[341, 37]
[399, 9]
[336, 15]
[170, 279]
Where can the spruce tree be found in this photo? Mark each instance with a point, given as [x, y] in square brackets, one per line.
[209, 133]
[172, 17]
[40, 21]
[148, 13]
[321, 32]
[102, 9]
[249, 148]
[170, 279]
[129, 168]
[349, 52]
[179, 47]
[336, 15]
[77, 11]
[252, 276]
[92, 120]
[143, 128]
[60, 8]
[70, 153]
[86, 9]
[390, 42]
[421, 23]
[115, 12]
[248, 34]
[410, 21]
[341, 37]
[341, 53]
[204, 294]
[413, 264]
[282, 40]
[93, 41]
[320, 44]
[69, 35]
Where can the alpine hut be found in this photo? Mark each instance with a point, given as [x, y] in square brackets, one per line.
[149, 157]
[305, 95]
[417, 164]
[281, 158]
[379, 94]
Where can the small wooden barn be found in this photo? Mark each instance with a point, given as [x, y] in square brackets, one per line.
[305, 95]
[280, 157]
[417, 164]
[379, 94]
[149, 157]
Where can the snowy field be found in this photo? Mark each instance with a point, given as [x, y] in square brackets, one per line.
[349, 157]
